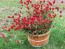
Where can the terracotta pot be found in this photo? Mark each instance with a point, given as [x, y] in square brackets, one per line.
[38, 40]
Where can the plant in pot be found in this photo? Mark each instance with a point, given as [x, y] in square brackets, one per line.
[37, 22]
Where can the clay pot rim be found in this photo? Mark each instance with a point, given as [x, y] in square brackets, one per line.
[41, 34]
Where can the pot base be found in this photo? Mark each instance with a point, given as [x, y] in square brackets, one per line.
[38, 43]
[38, 40]
[39, 46]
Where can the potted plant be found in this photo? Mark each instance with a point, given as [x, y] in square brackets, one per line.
[37, 23]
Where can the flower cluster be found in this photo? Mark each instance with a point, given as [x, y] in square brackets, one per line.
[40, 15]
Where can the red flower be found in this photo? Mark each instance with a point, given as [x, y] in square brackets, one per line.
[20, 12]
[41, 1]
[45, 20]
[15, 28]
[26, 3]
[4, 27]
[28, 8]
[12, 16]
[3, 35]
[54, 15]
[12, 26]
[60, 11]
[57, 8]
[31, 21]
[60, 15]
[17, 20]
[25, 21]
[36, 12]
[39, 18]
[32, 18]
[21, 1]
[18, 27]
[9, 16]
[19, 15]
[29, 1]
[24, 26]
[50, 3]
[52, 8]
[47, 7]
[54, 1]
[50, 15]
[62, 2]
[9, 29]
